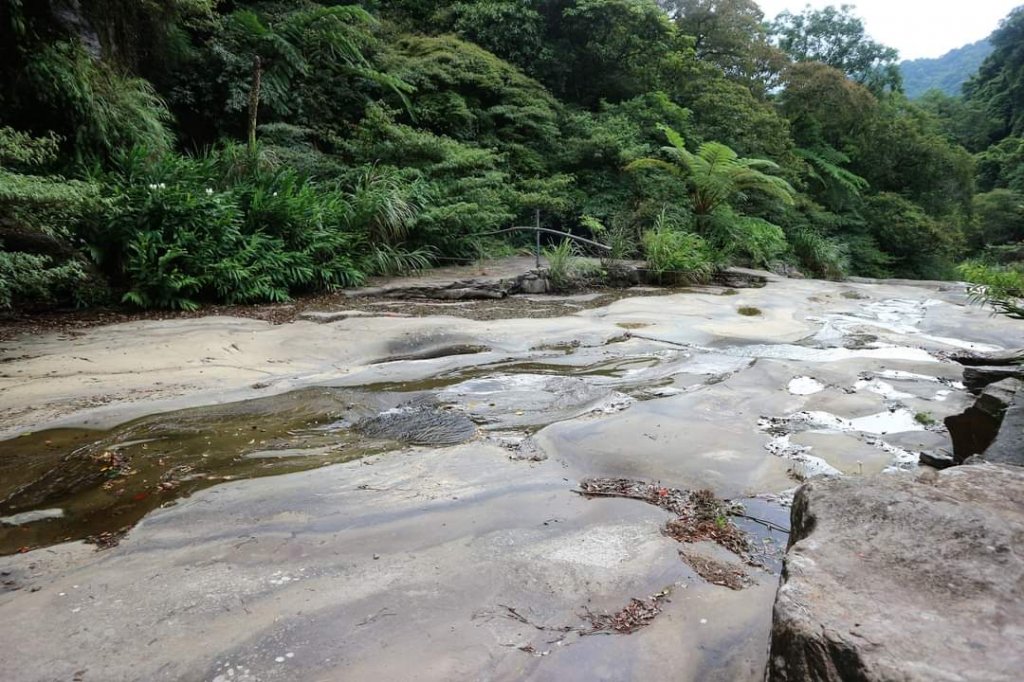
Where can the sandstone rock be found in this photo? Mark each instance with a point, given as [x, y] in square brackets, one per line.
[330, 316]
[996, 359]
[996, 398]
[903, 578]
[419, 425]
[446, 290]
[977, 378]
[1008, 447]
[71, 18]
[974, 430]
[622, 275]
[532, 283]
[738, 279]
[940, 459]
[786, 270]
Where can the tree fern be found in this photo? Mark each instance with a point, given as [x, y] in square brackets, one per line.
[715, 174]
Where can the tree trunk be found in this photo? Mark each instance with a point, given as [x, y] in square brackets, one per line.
[254, 101]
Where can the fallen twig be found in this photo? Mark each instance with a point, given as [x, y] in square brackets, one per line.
[383, 613]
[763, 522]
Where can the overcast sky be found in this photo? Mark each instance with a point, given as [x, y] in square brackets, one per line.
[917, 28]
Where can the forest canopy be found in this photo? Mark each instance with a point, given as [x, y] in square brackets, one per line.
[167, 153]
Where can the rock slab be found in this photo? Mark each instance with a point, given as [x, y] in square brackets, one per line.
[904, 578]
[996, 359]
[974, 430]
[1008, 447]
[977, 378]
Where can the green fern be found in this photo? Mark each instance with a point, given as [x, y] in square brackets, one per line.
[716, 175]
[824, 165]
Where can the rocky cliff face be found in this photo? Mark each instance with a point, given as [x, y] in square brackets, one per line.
[904, 577]
[69, 16]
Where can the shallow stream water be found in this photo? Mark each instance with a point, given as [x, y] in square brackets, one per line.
[82, 483]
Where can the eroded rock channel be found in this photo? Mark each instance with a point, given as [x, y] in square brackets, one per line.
[398, 498]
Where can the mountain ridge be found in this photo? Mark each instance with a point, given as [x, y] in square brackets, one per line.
[947, 73]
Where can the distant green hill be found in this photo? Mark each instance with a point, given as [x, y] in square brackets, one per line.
[947, 73]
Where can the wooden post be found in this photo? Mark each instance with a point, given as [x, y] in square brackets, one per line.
[536, 251]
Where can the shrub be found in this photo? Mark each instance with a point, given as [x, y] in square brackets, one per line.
[38, 217]
[29, 279]
[182, 229]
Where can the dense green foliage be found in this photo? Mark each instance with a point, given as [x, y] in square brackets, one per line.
[174, 152]
[947, 73]
[834, 36]
[989, 120]
[1000, 286]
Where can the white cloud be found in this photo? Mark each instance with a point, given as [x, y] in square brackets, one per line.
[917, 28]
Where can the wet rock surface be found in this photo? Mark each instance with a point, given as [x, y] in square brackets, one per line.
[419, 425]
[369, 546]
[904, 578]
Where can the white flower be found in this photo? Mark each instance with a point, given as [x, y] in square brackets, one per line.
[275, 194]
[209, 191]
[153, 186]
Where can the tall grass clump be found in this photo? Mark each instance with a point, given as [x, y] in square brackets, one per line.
[676, 256]
[562, 264]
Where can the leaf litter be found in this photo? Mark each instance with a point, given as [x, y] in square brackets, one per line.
[700, 516]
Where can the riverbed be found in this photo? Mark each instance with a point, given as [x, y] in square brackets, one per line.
[388, 497]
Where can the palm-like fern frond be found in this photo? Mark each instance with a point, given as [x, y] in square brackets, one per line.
[641, 164]
[824, 166]
[716, 174]
[335, 32]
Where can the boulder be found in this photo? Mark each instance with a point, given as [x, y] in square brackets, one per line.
[622, 275]
[977, 378]
[974, 430]
[1008, 447]
[898, 577]
[532, 283]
